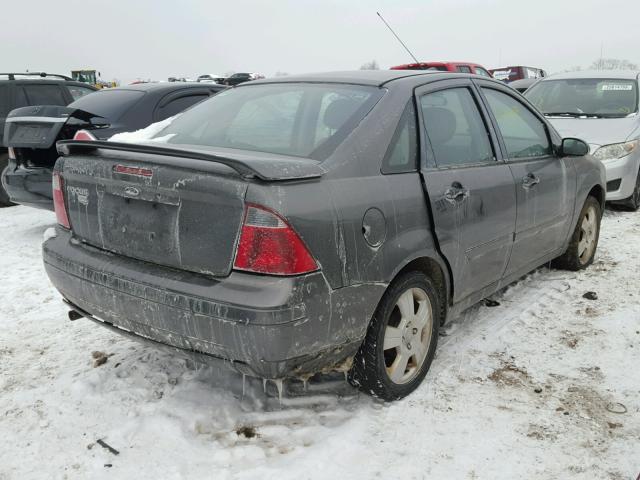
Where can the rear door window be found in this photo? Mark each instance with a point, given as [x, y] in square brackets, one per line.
[455, 128]
[45, 95]
[177, 105]
[523, 133]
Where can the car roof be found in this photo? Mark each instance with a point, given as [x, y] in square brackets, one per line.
[163, 86]
[434, 64]
[617, 74]
[358, 77]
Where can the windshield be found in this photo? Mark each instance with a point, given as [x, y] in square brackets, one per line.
[109, 104]
[306, 120]
[598, 97]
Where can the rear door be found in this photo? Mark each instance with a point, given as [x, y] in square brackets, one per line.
[471, 191]
[545, 183]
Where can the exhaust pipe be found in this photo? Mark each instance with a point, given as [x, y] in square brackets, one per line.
[74, 315]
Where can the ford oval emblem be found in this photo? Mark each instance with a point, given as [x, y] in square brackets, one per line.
[131, 191]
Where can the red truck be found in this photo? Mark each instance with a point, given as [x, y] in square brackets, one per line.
[460, 67]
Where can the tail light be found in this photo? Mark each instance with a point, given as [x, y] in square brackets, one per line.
[58, 201]
[269, 245]
[84, 135]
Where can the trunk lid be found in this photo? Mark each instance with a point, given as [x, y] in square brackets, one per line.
[40, 126]
[33, 131]
[173, 207]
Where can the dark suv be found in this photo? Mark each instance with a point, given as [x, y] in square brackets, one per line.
[25, 89]
[32, 132]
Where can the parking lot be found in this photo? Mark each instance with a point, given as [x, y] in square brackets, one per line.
[540, 386]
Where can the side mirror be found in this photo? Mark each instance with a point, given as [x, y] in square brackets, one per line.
[573, 147]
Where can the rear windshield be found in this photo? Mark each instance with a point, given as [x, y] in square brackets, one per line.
[110, 104]
[299, 119]
[585, 96]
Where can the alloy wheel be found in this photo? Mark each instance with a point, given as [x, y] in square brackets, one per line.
[588, 235]
[408, 335]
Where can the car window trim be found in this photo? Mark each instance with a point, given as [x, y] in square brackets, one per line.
[480, 84]
[446, 84]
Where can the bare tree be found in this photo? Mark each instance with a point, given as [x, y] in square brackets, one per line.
[613, 64]
[372, 65]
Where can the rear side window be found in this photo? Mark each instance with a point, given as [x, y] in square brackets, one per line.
[177, 105]
[45, 95]
[306, 120]
[464, 69]
[455, 128]
[110, 104]
[523, 133]
[402, 153]
[4, 100]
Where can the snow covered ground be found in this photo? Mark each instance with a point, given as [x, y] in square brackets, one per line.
[544, 386]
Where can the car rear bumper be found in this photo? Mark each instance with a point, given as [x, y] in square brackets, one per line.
[271, 327]
[621, 176]
[29, 186]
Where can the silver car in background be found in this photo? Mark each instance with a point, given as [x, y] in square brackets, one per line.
[600, 107]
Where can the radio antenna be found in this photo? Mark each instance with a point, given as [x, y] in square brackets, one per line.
[395, 35]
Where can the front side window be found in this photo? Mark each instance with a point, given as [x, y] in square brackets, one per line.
[598, 97]
[523, 133]
[306, 120]
[481, 71]
[455, 128]
[464, 69]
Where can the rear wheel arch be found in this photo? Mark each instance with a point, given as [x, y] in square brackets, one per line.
[436, 272]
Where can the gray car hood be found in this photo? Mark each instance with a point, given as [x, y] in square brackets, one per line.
[596, 131]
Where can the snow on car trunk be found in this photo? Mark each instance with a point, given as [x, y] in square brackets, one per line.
[543, 385]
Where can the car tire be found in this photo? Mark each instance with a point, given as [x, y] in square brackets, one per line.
[4, 196]
[391, 364]
[633, 202]
[584, 241]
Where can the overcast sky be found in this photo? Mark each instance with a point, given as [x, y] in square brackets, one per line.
[160, 38]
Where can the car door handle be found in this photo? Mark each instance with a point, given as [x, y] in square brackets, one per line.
[530, 180]
[456, 193]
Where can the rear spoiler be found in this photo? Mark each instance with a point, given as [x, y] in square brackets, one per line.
[267, 167]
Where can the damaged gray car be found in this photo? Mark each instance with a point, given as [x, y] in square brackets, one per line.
[324, 222]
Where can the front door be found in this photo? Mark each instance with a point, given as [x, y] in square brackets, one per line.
[471, 192]
[545, 183]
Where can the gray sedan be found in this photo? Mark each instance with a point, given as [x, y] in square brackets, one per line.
[321, 222]
[601, 107]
